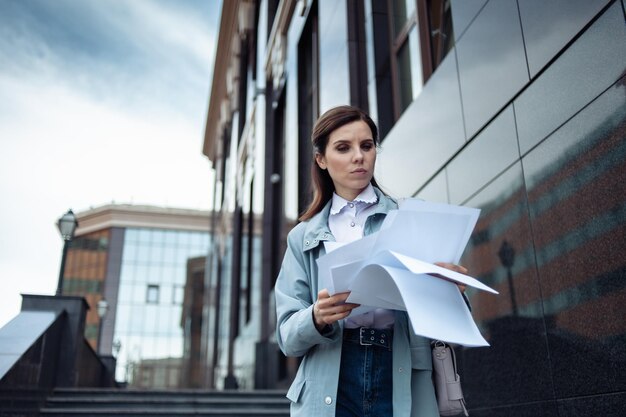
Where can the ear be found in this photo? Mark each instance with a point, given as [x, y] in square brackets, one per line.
[321, 161]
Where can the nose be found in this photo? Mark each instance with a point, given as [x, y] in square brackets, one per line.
[358, 154]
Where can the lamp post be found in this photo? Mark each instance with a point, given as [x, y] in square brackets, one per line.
[507, 258]
[67, 225]
[102, 308]
[117, 345]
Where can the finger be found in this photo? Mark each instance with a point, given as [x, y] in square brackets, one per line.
[452, 267]
[318, 306]
[325, 311]
[323, 294]
[330, 319]
[325, 300]
[340, 308]
[339, 297]
[336, 317]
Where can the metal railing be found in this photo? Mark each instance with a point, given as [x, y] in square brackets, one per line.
[43, 348]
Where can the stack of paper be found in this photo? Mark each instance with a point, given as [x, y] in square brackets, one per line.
[392, 269]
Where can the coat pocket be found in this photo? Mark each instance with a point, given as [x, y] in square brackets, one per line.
[421, 357]
[295, 390]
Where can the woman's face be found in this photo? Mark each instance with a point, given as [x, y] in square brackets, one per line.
[349, 157]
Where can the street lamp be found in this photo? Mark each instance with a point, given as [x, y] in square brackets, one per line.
[117, 345]
[102, 308]
[507, 258]
[67, 225]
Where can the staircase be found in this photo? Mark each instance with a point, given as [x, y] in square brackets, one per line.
[128, 402]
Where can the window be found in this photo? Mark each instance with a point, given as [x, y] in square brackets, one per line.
[409, 76]
[405, 54]
[441, 31]
[178, 294]
[406, 41]
[152, 294]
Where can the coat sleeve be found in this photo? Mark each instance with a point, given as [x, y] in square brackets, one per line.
[295, 330]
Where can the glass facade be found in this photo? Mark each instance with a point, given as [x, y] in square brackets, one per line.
[405, 42]
[150, 302]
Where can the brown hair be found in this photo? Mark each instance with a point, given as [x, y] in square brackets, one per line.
[321, 182]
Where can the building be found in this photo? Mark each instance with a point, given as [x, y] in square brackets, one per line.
[517, 107]
[141, 260]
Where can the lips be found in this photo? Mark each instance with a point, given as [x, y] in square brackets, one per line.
[359, 171]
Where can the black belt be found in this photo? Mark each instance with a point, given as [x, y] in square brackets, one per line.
[369, 337]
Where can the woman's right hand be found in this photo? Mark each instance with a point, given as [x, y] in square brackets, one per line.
[329, 309]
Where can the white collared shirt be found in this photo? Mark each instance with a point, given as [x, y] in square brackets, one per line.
[346, 222]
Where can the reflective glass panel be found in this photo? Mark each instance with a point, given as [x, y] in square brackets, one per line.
[152, 288]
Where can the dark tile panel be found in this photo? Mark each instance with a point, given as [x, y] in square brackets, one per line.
[429, 132]
[436, 189]
[549, 25]
[576, 185]
[492, 63]
[463, 11]
[515, 368]
[609, 405]
[594, 62]
[542, 409]
[490, 153]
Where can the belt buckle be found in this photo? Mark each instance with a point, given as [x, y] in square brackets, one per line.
[361, 341]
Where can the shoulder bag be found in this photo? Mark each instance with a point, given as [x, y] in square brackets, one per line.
[446, 380]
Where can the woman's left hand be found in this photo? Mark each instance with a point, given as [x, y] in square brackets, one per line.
[456, 268]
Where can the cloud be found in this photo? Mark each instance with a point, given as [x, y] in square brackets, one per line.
[99, 102]
[137, 54]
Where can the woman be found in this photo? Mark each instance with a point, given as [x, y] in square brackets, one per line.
[343, 373]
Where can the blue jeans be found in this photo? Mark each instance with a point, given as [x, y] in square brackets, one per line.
[365, 381]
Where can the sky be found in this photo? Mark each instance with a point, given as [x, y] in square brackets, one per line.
[101, 101]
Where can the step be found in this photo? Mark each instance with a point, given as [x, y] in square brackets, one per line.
[172, 391]
[118, 393]
[129, 401]
[79, 402]
[167, 411]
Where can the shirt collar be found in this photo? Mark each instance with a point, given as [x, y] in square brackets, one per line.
[368, 196]
[316, 228]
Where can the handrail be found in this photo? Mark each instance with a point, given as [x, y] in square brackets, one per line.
[27, 373]
[43, 348]
[21, 334]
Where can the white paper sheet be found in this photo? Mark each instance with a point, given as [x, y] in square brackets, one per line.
[388, 269]
[418, 267]
[336, 255]
[435, 307]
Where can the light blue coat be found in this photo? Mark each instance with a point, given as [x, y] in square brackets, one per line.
[313, 392]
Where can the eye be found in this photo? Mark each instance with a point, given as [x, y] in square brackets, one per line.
[367, 146]
[342, 148]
